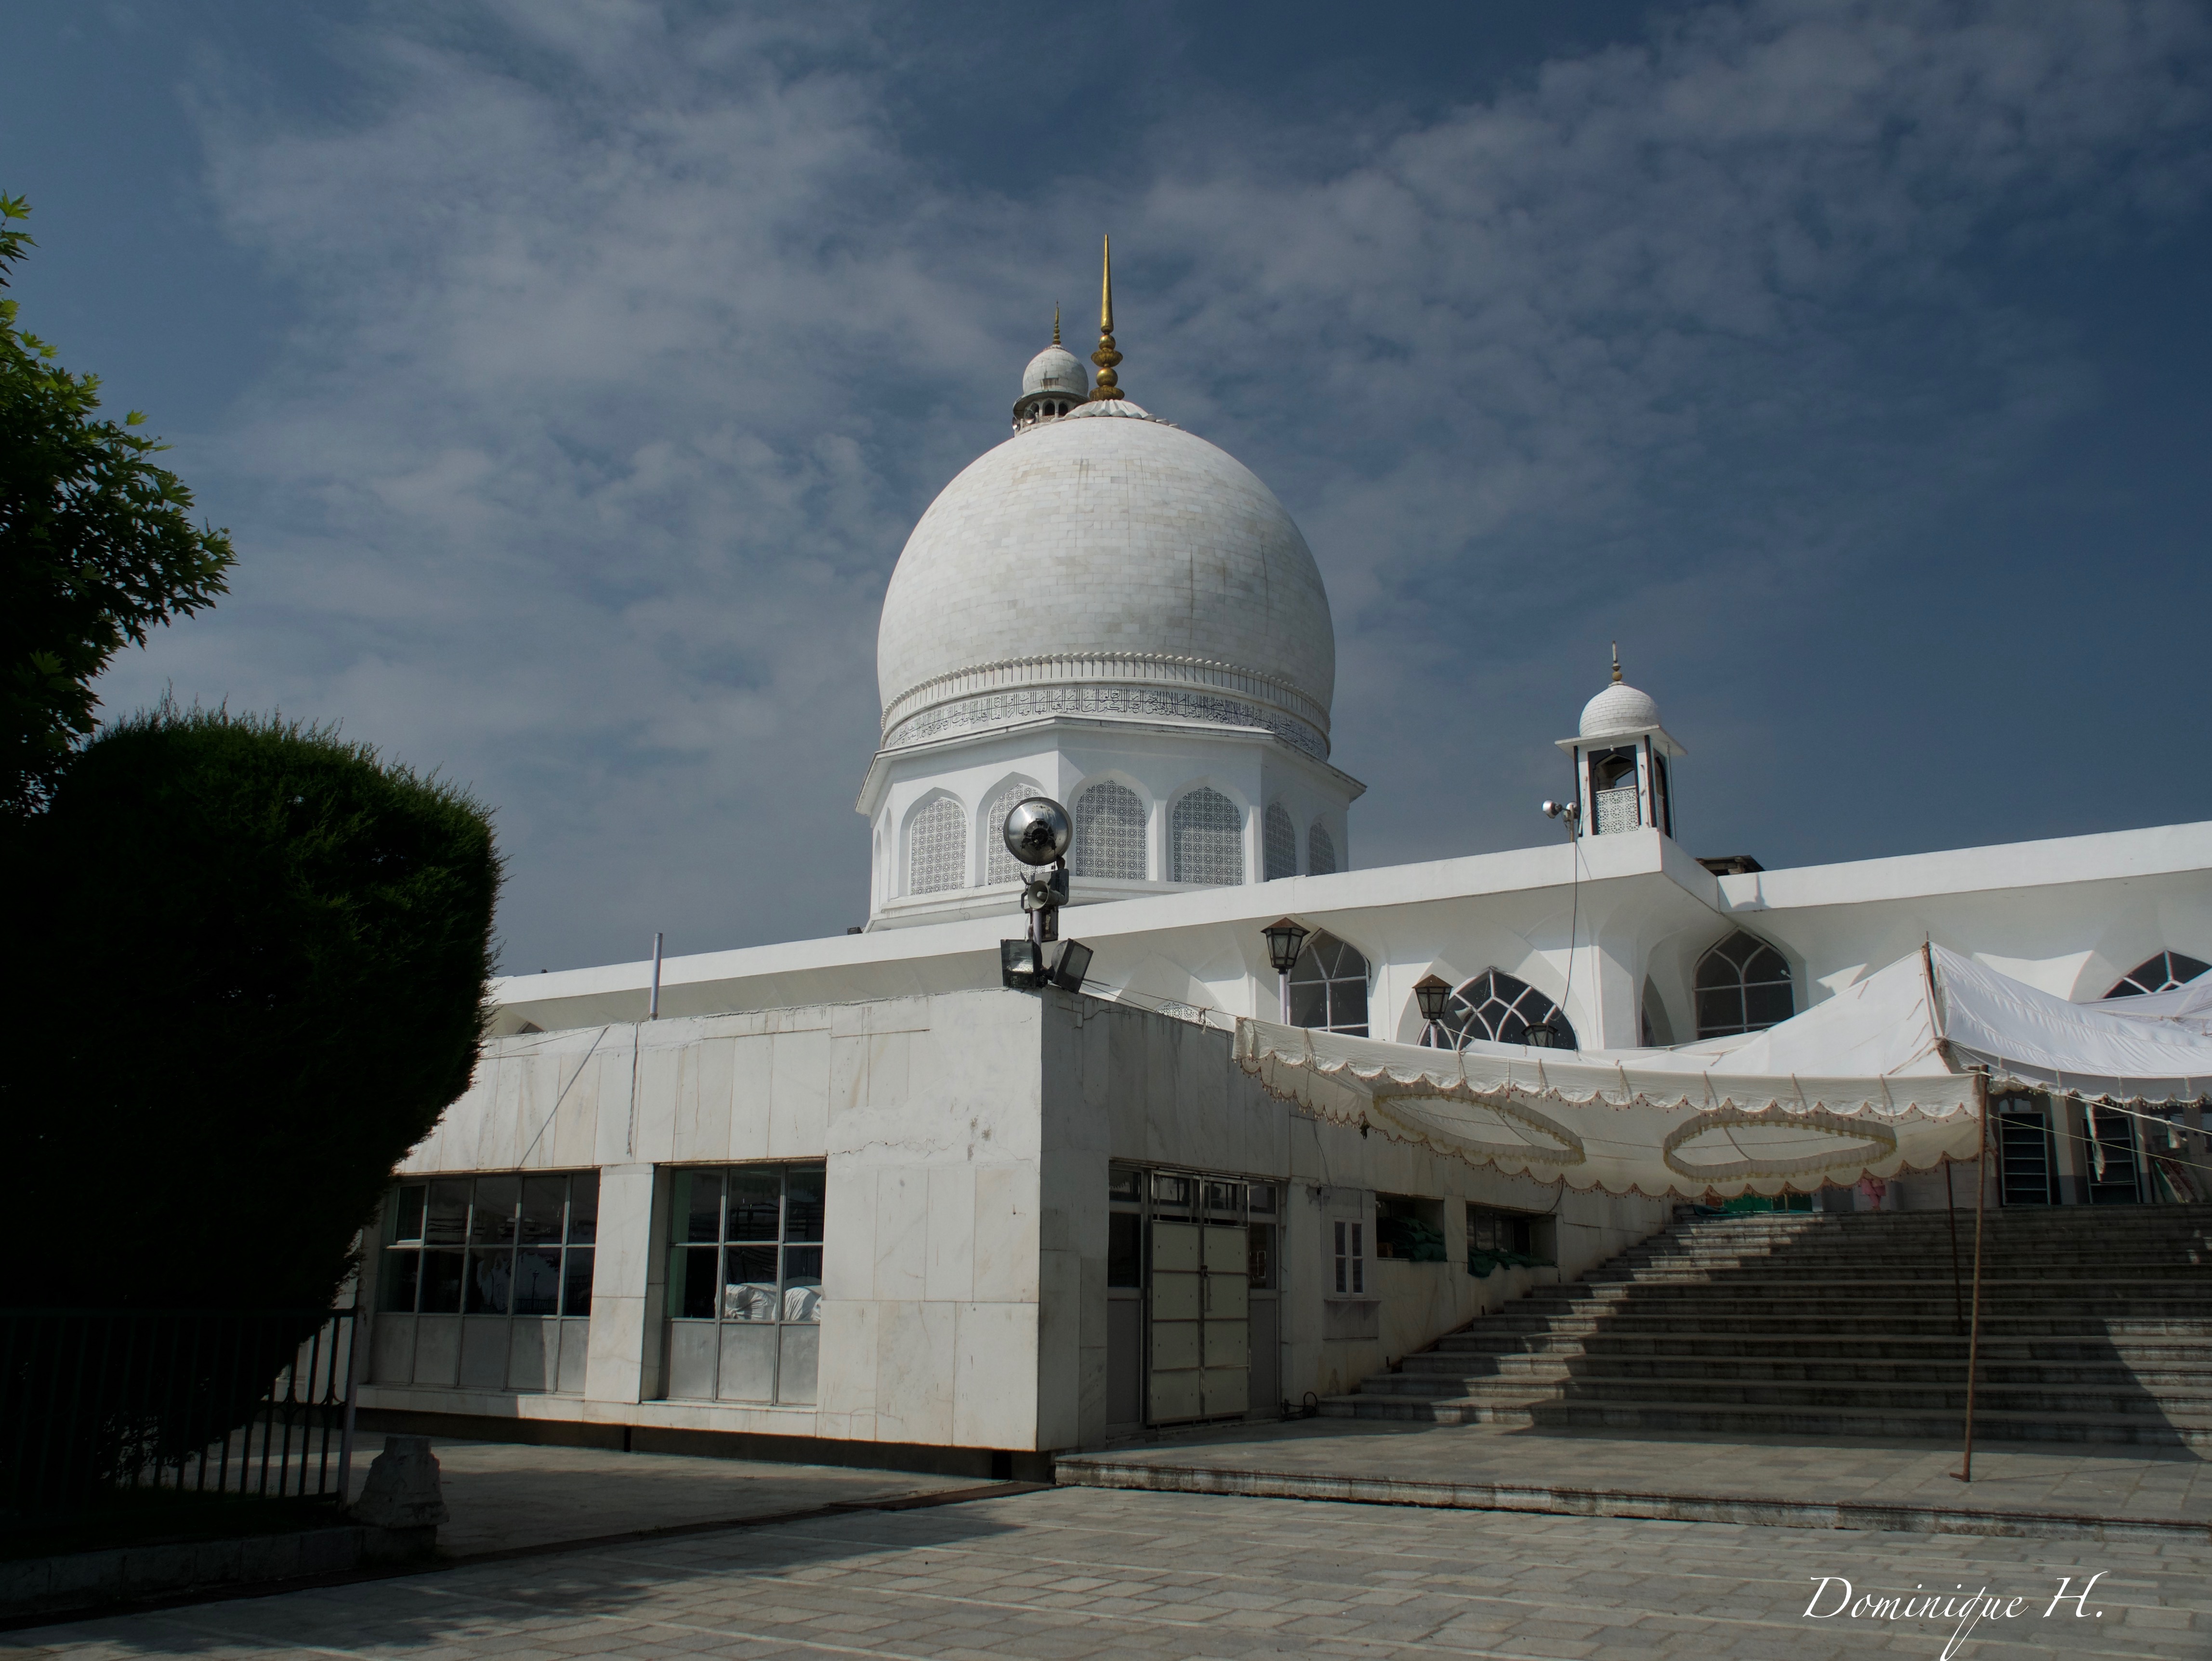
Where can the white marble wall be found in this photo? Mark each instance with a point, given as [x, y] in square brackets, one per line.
[967, 1137]
[925, 1111]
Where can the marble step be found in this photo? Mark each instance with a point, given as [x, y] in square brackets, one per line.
[1782, 1421]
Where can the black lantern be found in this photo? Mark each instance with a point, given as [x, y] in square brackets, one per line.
[1541, 1035]
[1432, 993]
[1285, 941]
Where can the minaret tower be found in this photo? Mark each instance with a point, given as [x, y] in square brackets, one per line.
[1621, 757]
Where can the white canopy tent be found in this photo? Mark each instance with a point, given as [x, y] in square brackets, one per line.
[1873, 1082]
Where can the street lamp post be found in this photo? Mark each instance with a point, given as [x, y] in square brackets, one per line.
[1285, 938]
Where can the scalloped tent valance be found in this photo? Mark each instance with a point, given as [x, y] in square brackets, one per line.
[1864, 1084]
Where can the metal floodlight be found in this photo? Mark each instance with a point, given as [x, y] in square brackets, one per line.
[1285, 939]
[1021, 965]
[1070, 965]
[1432, 993]
[1038, 830]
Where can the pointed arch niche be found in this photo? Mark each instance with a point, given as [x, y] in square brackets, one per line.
[1110, 833]
[2159, 974]
[936, 846]
[999, 865]
[1328, 986]
[1744, 985]
[1500, 1008]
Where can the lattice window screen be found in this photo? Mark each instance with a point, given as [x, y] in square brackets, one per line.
[999, 865]
[1282, 843]
[1207, 839]
[937, 848]
[1110, 834]
[1321, 851]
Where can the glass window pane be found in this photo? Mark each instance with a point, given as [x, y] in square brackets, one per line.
[803, 1188]
[441, 1280]
[1347, 1005]
[692, 1281]
[537, 1281]
[802, 1283]
[1260, 1256]
[542, 1198]
[576, 1283]
[446, 1220]
[583, 1208]
[1765, 1006]
[1125, 1252]
[492, 1220]
[396, 1281]
[756, 1192]
[491, 1281]
[1309, 1003]
[1263, 1197]
[403, 1218]
[749, 1283]
[698, 1204]
[1170, 1192]
[1720, 1011]
[1225, 1199]
[1124, 1183]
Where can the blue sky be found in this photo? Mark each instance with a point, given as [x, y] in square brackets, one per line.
[571, 374]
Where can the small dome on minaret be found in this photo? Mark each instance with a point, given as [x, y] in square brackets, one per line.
[1055, 382]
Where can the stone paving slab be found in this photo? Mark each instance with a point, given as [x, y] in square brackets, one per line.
[1076, 1574]
[1844, 1482]
[506, 1496]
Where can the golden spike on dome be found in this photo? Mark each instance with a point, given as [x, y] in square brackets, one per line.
[1106, 357]
[1056, 323]
[1616, 663]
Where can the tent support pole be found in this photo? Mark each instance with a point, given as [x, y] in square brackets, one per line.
[1966, 1472]
[1957, 1287]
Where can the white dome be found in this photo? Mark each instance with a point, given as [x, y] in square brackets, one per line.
[1106, 567]
[1618, 711]
[1056, 370]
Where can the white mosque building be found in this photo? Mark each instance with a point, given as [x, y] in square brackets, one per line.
[851, 1189]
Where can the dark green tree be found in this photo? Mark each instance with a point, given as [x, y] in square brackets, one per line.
[96, 547]
[266, 955]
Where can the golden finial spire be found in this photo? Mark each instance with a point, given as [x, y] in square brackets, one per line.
[1056, 323]
[1106, 357]
[1616, 663]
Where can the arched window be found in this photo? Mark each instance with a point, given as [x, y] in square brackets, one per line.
[1743, 986]
[1282, 843]
[937, 848]
[1206, 839]
[1328, 987]
[999, 865]
[2162, 973]
[1498, 1006]
[1321, 851]
[1110, 834]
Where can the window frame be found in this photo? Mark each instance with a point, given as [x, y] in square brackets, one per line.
[574, 1248]
[1742, 987]
[1463, 1018]
[688, 1253]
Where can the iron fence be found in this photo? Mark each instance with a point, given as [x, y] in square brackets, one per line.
[254, 1403]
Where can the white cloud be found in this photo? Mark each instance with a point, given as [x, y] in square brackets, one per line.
[635, 345]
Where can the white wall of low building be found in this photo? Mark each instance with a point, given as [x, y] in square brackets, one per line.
[967, 1138]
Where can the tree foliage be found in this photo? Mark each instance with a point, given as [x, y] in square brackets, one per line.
[96, 547]
[265, 956]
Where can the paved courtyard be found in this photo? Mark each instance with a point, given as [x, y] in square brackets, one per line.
[1080, 1574]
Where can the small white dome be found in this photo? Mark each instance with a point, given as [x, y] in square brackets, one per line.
[1618, 711]
[1056, 370]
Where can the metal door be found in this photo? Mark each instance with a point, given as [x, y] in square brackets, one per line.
[1202, 1333]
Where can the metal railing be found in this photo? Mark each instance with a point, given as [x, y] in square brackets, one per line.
[255, 1403]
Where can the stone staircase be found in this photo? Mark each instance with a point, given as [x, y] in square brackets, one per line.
[2096, 1327]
